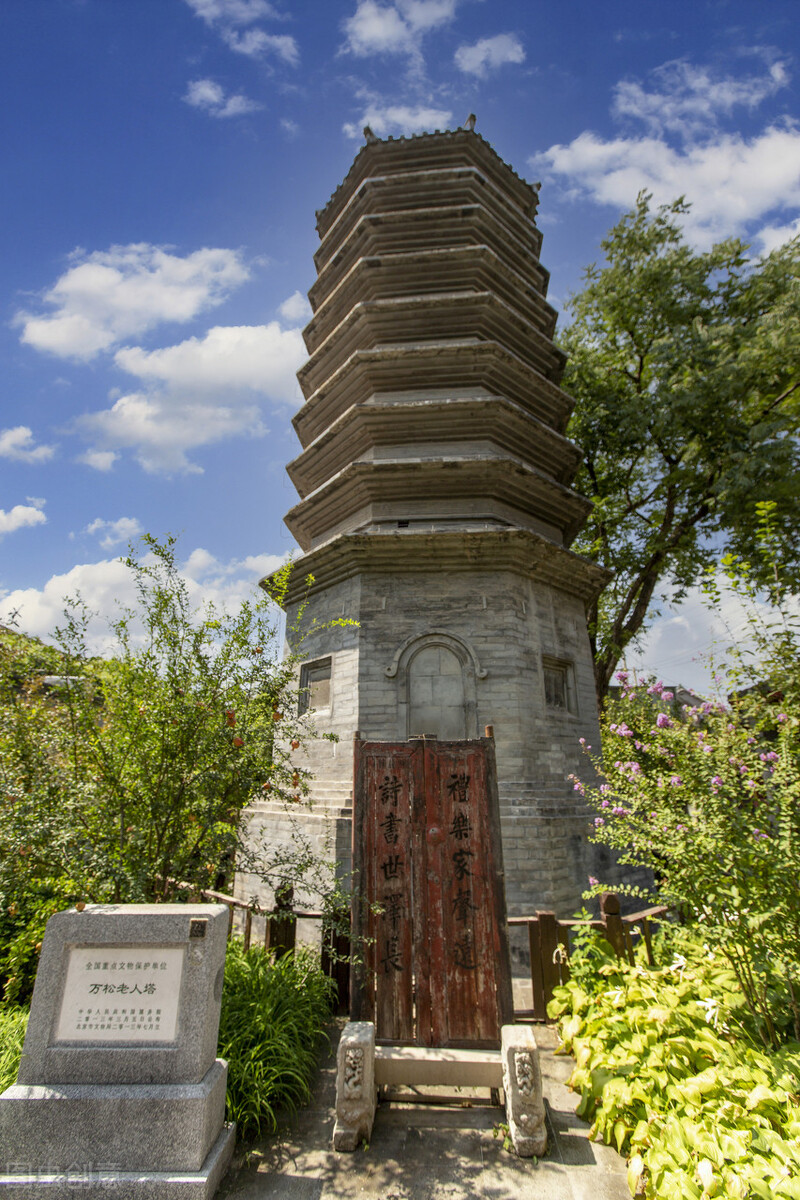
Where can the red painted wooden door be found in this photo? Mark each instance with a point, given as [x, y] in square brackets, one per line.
[429, 900]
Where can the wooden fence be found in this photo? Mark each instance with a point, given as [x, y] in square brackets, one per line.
[548, 940]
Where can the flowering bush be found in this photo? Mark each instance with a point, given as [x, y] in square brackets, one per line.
[711, 804]
[708, 797]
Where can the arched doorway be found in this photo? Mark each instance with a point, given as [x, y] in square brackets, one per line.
[436, 692]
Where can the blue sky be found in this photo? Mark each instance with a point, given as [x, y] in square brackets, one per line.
[163, 160]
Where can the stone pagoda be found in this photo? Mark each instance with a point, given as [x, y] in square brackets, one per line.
[436, 507]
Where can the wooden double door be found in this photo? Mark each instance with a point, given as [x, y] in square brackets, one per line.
[429, 911]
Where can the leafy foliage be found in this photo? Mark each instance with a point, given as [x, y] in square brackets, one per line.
[709, 799]
[685, 371]
[669, 1074]
[273, 1013]
[135, 771]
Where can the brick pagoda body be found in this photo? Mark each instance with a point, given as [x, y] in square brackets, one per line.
[436, 507]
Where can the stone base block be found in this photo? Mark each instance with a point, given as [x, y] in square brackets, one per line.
[82, 1181]
[138, 1127]
[355, 1086]
[522, 1084]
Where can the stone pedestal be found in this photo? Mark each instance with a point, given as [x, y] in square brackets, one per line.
[119, 1089]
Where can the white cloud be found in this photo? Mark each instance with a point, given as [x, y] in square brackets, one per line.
[730, 182]
[21, 516]
[198, 392]
[256, 358]
[18, 444]
[289, 127]
[772, 236]
[236, 12]
[110, 295]
[395, 28]
[100, 460]
[256, 43]
[489, 54]
[296, 308]
[160, 429]
[385, 119]
[115, 533]
[108, 585]
[688, 99]
[688, 642]
[230, 18]
[210, 97]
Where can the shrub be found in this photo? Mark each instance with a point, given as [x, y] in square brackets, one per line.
[273, 1013]
[669, 1073]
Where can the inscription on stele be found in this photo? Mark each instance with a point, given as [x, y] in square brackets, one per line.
[121, 994]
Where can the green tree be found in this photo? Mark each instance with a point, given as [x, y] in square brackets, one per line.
[135, 771]
[685, 367]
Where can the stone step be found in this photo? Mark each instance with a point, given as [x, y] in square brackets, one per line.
[434, 1067]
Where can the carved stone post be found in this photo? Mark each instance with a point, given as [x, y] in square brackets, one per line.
[355, 1086]
[522, 1084]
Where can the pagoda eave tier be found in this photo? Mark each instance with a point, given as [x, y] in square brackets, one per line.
[432, 367]
[431, 189]
[429, 228]
[482, 425]
[395, 553]
[409, 153]
[416, 320]
[476, 268]
[504, 490]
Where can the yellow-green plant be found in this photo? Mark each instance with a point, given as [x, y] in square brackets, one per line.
[669, 1074]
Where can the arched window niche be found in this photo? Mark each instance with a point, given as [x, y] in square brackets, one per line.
[436, 687]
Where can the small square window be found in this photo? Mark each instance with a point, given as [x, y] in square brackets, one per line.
[315, 685]
[559, 684]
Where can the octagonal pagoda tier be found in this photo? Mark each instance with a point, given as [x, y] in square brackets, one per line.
[432, 384]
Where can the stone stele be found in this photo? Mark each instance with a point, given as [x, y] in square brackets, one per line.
[119, 1091]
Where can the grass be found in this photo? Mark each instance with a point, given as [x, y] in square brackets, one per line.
[273, 1014]
[13, 1022]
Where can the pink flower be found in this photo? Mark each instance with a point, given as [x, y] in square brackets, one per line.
[592, 881]
[622, 676]
[716, 782]
[663, 721]
[598, 821]
[675, 780]
[782, 717]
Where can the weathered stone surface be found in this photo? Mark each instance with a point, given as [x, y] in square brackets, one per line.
[355, 1086]
[88, 1180]
[119, 1090]
[161, 1127]
[522, 1086]
[128, 927]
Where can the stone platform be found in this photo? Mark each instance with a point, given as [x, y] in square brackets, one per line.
[440, 1151]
